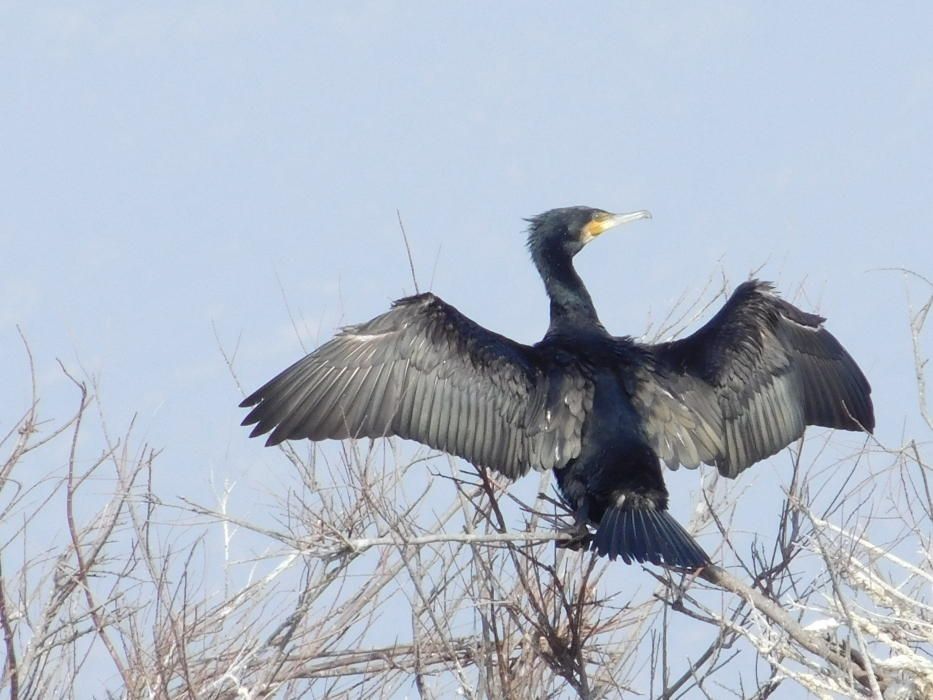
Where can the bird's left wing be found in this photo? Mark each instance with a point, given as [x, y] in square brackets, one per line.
[425, 371]
[748, 383]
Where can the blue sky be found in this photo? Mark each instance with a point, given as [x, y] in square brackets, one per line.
[172, 168]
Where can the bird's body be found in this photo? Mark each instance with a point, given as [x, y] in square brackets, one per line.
[602, 411]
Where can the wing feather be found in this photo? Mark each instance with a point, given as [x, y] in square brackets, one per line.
[748, 383]
[426, 372]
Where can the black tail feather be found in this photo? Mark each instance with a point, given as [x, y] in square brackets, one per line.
[647, 534]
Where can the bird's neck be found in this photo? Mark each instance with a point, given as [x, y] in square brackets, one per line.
[571, 304]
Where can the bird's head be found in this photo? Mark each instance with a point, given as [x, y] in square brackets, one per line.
[564, 232]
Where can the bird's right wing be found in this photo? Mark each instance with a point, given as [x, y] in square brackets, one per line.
[748, 383]
[425, 371]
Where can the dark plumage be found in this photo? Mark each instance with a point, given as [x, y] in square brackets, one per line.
[602, 411]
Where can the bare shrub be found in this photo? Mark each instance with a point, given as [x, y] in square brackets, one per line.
[386, 572]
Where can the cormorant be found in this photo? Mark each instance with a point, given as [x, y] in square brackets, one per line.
[602, 411]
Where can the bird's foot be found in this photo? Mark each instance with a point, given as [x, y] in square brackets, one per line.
[580, 538]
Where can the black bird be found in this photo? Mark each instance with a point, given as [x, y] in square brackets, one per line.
[602, 411]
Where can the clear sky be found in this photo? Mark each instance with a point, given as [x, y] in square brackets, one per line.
[171, 168]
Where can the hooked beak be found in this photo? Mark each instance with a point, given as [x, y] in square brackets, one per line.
[604, 221]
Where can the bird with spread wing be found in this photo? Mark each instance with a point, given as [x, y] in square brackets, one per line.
[602, 411]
